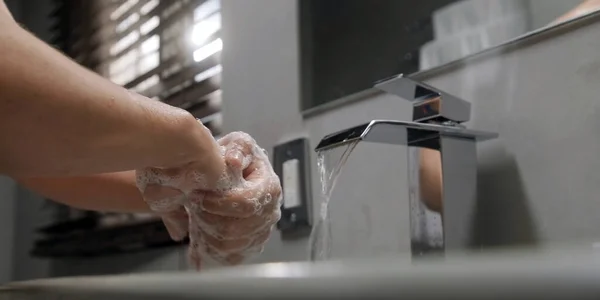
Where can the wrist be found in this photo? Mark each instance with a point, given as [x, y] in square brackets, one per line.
[205, 153]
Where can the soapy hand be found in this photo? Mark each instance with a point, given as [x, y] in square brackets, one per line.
[235, 219]
[227, 219]
[165, 190]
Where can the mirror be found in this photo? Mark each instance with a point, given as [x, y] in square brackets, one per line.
[347, 45]
[470, 26]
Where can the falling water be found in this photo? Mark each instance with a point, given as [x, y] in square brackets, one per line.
[330, 163]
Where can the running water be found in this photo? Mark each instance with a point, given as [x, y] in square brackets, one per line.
[330, 163]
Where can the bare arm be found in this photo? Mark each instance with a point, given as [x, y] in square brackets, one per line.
[110, 192]
[583, 8]
[59, 119]
[430, 178]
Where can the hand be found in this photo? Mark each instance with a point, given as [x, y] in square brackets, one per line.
[166, 190]
[236, 218]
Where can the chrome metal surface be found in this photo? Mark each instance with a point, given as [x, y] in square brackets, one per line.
[398, 133]
[437, 128]
[559, 274]
[429, 103]
[459, 187]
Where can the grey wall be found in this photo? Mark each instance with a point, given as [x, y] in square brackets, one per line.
[541, 175]
[260, 90]
[261, 81]
[538, 182]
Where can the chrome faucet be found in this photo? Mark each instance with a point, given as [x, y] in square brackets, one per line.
[437, 118]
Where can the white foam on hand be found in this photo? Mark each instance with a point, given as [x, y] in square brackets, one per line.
[228, 221]
[235, 220]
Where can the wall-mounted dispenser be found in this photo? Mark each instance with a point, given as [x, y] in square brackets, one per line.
[292, 165]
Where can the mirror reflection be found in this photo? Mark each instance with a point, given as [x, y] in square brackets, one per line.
[347, 45]
[470, 26]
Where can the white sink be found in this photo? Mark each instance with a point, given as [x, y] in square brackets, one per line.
[561, 274]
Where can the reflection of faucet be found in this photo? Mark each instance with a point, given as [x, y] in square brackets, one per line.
[437, 125]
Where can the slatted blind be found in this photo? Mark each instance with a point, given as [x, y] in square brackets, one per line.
[168, 50]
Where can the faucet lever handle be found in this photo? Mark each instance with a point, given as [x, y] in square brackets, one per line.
[429, 103]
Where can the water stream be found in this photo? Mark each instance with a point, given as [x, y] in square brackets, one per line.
[329, 162]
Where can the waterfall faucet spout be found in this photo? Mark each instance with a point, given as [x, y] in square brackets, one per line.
[436, 125]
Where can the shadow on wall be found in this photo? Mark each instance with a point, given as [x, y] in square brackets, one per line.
[503, 216]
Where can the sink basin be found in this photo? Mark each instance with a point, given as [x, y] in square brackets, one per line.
[506, 275]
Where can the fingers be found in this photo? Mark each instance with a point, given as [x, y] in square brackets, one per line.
[239, 151]
[231, 252]
[237, 243]
[228, 240]
[225, 228]
[177, 223]
[247, 200]
[236, 204]
[232, 204]
[258, 186]
[195, 252]
[167, 202]
[238, 158]
[230, 245]
[240, 247]
[177, 229]
[236, 137]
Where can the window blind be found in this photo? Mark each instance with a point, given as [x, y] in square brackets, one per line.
[168, 50]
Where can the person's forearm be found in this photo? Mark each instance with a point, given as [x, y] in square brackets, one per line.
[583, 8]
[5, 15]
[430, 178]
[111, 192]
[59, 119]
